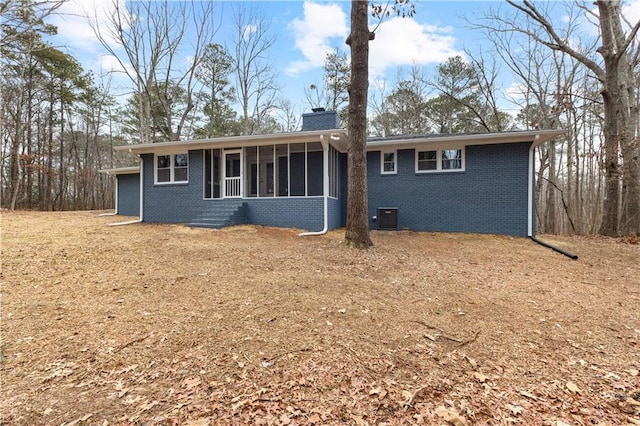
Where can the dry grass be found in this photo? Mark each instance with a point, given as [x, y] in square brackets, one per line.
[164, 324]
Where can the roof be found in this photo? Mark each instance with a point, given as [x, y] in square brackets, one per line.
[463, 139]
[339, 139]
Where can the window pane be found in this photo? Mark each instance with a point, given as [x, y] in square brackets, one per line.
[451, 159]
[164, 161]
[164, 175]
[427, 160]
[180, 174]
[181, 160]
[389, 162]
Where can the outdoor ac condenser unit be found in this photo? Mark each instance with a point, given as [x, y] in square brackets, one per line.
[388, 218]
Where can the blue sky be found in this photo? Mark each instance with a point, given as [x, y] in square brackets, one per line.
[307, 30]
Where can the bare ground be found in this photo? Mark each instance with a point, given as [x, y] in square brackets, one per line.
[163, 324]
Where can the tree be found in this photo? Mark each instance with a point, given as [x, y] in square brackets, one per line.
[334, 94]
[616, 73]
[213, 71]
[357, 233]
[256, 80]
[152, 36]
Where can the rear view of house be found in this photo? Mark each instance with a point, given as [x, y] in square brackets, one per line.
[463, 183]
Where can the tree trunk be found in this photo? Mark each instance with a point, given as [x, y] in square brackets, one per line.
[357, 232]
[619, 127]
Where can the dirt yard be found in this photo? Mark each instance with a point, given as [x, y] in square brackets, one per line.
[163, 324]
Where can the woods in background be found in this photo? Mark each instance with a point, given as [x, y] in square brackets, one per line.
[60, 122]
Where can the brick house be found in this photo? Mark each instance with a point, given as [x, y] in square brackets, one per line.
[478, 183]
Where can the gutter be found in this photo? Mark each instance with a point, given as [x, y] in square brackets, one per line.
[139, 220]
[325, 190]
[530, 201]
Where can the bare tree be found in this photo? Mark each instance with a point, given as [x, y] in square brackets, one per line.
[257, 86]
[615, 73]
[151, 35]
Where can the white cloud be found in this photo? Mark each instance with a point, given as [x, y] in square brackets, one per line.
[313, 33]
[404, 41]
[73, 22]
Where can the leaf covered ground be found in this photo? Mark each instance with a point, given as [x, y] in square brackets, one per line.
[164, 324]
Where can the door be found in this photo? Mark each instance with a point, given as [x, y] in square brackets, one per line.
[232, 164]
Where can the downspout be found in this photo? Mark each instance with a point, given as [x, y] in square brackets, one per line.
[325, 189]
[141, 198]
[530, 201]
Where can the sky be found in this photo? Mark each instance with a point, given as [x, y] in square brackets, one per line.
[307, 30]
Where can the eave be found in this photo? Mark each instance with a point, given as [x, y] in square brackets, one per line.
[375, 144]
[337, 137]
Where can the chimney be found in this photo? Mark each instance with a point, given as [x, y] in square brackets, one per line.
[320, 119]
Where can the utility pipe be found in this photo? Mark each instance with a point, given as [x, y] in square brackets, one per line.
[325, 186]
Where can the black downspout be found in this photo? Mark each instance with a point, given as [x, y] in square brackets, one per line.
[542, 243]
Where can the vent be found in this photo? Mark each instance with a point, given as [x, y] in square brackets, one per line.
[388, 218]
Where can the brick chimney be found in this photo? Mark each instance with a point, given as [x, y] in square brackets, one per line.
[320, 119]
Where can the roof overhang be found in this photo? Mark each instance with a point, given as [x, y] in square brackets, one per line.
[393, 142]
[122, 170]
[340, 140]
[336, 137]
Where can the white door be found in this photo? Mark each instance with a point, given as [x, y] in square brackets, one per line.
[232, 172]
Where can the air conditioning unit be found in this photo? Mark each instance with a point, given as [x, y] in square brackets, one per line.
[388, 218]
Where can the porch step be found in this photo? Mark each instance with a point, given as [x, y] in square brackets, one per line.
[221, 215]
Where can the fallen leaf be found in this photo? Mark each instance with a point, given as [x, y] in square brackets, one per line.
[574, 388]
[471, 361]
[515, 409]
[378, 391]
[481, 377]
[528, 395]
[450, 416]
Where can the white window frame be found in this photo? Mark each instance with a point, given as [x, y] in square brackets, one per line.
[439, 168]
[172, 157]
[395, 162]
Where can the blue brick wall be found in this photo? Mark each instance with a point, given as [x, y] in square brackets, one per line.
[183, 203]
[490, 196]
[294, 212]
[128, 194]
[173, 203]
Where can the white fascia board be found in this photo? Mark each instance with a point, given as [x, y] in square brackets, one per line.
[121, 170]
[334, 135]
[464, 140]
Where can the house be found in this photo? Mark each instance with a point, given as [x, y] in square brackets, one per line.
[478, 183]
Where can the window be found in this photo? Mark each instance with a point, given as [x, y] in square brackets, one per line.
[172, 168]
[388, 162]
[440, 160]
[427, 160]
[451, 159]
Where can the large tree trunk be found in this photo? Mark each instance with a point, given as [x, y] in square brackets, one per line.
[618, 132]
[357, 203]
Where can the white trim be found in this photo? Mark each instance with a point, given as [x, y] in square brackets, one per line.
[395, 161]
[530, 187]
[141, 214]
[171, 168]
[223, 186]
[325, 188]
[438, 151]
